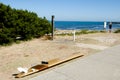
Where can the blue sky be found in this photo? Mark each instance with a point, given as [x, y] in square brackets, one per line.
[72, 10]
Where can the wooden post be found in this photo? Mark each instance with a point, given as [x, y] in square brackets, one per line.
[52, 22]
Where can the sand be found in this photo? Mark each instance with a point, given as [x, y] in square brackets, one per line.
[27, 54]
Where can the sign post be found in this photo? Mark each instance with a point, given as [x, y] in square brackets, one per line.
[52, 22]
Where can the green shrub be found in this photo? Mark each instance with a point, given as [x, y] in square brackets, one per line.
[4, 39]
[103, 31]
[117, 31]
[84, 31]
[21, 23]
[93, 31]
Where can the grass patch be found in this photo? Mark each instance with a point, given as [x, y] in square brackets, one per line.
[82, 32]
[103, 31]
[85, 31]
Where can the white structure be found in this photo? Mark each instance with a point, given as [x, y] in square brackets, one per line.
[74, 35]
[105, 25]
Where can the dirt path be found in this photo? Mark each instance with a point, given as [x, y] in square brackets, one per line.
[92, 46]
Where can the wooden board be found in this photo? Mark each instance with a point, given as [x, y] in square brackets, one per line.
[51, 63]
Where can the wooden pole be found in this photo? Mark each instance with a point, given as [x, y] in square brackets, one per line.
[52, 22]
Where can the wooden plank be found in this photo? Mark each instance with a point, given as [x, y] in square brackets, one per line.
[50, 64]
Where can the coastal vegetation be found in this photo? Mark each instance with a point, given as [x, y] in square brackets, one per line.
[80, 32]
[117, 31]
[17, 25]
[85, 31]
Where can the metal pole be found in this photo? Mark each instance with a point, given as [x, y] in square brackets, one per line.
[52, 22]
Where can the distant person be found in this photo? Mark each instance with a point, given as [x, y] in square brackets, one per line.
[105, 24]
[110, 27]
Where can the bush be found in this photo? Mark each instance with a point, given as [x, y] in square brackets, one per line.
[4, 39]
[93, 31]
[103, 31]
[117, 31]
[21, 23]
[84, 31]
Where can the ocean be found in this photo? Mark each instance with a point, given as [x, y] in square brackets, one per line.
[70, 25]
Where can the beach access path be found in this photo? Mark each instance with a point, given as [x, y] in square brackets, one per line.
[103, 65]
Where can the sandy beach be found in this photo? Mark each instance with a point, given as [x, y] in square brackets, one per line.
[27, 54]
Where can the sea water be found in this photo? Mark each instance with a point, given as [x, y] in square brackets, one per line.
[89, 25]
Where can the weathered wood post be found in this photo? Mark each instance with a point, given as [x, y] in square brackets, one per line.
[52, 22]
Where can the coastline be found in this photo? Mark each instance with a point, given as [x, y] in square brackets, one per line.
[80, 25]
[59, 31]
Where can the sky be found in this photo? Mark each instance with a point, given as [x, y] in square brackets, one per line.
[71, 10]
